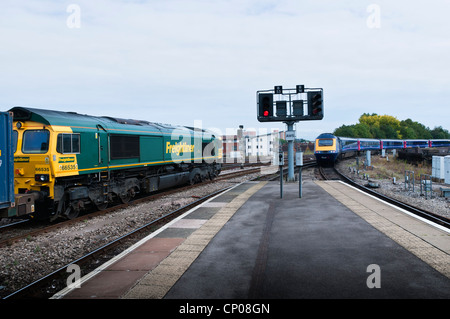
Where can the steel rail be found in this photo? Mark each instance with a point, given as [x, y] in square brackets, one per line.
[33, 289]
[441, 220]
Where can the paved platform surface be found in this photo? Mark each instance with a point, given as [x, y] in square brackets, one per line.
[334, 242]
[318, 247]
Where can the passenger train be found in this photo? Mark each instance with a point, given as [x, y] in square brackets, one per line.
[329, 148]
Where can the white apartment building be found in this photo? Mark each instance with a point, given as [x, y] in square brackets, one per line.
[262, 145]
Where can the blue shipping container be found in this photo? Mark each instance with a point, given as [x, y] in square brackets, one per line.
[6, 161]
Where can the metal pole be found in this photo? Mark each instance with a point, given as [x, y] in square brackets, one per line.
[300, 182]
[281, 181]
[290, 154]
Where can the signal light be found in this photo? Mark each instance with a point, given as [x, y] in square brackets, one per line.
[281, 108]
[265, 106]
[315, 105]
[297, 108]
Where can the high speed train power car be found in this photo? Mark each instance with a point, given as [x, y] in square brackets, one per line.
[329, 148]
[65, 162]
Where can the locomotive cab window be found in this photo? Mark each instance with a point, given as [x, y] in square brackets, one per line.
[35, 141]
[15, 137]
[68, 143]
[325, 142]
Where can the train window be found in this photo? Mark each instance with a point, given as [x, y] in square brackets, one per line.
[124, 146]
[68, 143]
[325, 142]
[35, 141]
[14, 140]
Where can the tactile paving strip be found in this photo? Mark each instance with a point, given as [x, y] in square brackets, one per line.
[430, 244]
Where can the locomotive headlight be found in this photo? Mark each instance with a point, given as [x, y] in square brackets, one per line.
[42, 177]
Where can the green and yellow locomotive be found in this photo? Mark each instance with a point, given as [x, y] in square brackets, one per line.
[65, 162]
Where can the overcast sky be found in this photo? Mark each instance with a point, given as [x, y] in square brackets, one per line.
[186, 61]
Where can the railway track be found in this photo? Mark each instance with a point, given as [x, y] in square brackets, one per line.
[17, 231]
[333, 174]
[53, 282]
[45, 286]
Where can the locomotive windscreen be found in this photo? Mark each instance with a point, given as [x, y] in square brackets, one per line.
[325, 142]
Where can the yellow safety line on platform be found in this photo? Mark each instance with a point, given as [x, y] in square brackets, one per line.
[383, 219]
[158, 281]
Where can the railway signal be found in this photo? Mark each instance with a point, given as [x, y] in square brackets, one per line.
[297, 108]
[290, 104]
[281, 108]
[290, 109]
[265, 107]
[315, 105]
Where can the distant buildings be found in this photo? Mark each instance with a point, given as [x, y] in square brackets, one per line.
[253, 144]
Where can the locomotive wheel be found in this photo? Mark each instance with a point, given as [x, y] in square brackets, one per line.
[101, 206]
[125, 198]
[71, 213]
[195, 179]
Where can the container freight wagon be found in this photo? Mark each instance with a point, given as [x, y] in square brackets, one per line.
[6, 164]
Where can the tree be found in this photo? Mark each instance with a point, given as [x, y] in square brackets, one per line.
[440, 133]
[362, 130]
[386, 126]
[345, 131]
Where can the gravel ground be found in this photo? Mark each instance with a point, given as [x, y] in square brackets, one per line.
[438, 205]
[30, 259]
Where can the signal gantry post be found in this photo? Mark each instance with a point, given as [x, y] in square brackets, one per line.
[290, 106]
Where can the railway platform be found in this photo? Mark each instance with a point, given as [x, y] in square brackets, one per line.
[334, 242]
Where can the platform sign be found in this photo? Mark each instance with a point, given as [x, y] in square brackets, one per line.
[290, 135]
[299, 158]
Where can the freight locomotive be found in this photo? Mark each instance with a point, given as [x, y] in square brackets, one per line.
[329, 148]
[65, 162]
